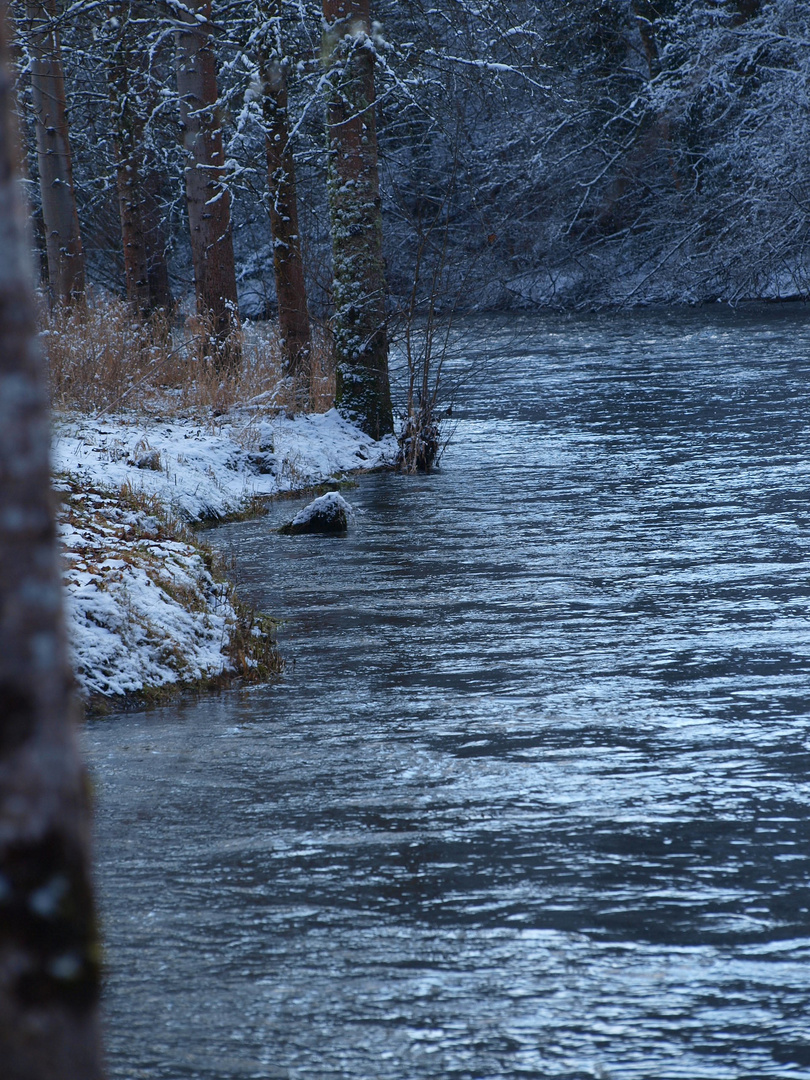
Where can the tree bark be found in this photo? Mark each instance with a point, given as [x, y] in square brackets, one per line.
[207, 195]
[288, 266]
[645, 14]
[156, 237]
[49, 953]
[128, 134]
[145, 267]
[64, 243]
[359, 323]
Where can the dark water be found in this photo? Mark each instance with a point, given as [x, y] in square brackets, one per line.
[532, 799]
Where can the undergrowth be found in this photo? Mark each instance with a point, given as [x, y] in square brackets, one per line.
[103, 359]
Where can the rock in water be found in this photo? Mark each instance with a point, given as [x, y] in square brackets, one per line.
[330, 514]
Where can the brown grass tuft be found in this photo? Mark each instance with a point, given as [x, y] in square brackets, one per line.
[102, 359]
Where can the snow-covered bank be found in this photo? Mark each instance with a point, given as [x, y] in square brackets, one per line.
[213, 471]
[146, 607]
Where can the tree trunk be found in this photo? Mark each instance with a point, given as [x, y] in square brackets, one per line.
[207, 195]
[360, 335]
[645, 14]
[49, 954]
[64, 243]
[288, 265]
[156, 237]
[145, 268]
[128, 135]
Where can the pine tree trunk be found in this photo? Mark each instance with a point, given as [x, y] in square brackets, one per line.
[64, 244]
[646, 13]
[359, 326]
[131, 100]
[130, 204]
[287, 262]
[128, 137]
[207, 195]
[156, 237]
[49, 954]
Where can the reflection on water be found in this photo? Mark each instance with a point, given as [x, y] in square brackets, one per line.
[531, 800]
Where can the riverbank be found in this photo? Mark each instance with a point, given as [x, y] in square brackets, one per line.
[150, 610]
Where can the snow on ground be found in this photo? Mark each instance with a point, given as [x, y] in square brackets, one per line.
[201, 472]
[144, 608]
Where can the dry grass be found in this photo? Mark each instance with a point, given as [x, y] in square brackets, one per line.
[322, 374]
[102, 359]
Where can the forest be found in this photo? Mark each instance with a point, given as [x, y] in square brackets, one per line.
[503, 773]
[587, 153]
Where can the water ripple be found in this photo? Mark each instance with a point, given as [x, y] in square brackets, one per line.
[532, 800]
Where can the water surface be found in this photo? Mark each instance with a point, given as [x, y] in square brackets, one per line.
[531, 799]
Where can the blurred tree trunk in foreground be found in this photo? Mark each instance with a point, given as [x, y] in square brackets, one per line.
[49, 953]
[359, 323]
[207, 195]
[64, 243]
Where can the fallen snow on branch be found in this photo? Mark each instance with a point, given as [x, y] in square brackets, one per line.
[145, 608]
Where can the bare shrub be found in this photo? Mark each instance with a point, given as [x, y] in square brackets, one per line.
[422, 327]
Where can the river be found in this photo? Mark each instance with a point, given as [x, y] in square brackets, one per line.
[531, 799]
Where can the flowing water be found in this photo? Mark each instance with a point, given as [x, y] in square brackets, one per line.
[531, 799]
